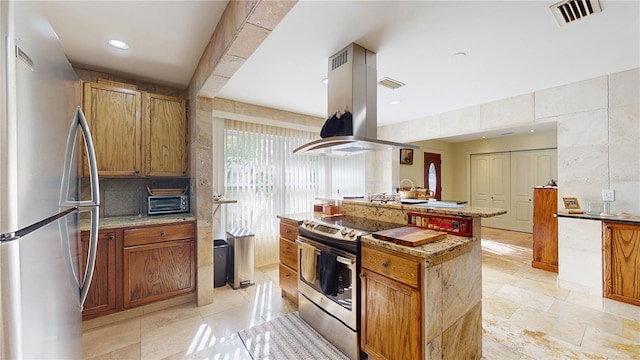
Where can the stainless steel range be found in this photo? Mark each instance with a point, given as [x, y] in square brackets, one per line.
[329, 264]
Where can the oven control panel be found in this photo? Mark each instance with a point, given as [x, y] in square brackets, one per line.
[335, 231]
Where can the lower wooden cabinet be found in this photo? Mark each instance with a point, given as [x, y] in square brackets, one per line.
[391, 305]
[105, 292]
[160, 263]
[621, 262]
[289, 259]
[545, 229]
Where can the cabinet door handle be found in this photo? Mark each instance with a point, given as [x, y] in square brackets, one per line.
[287, 275]
[385, 265]
[288, 231]
[137, 171]
[287, 247]
[162, 233]
[112, 237]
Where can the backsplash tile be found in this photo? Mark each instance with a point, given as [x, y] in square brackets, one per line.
[128, 196]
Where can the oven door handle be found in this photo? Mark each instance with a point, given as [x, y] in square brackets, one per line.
[340, 259]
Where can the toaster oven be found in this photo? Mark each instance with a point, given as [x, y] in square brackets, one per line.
[167, 204]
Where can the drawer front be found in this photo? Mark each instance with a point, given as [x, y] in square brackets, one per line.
[289, 280]
[289, 231]
[289, 253]
[159, 233]
[403, 269]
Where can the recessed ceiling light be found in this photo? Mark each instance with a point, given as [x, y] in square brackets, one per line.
[459, 55]
[118, 44]
[531, 130]
[325, 80]
[395, 102]
[484, 137]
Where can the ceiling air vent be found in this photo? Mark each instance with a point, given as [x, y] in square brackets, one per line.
[571, 10]
[390, 83]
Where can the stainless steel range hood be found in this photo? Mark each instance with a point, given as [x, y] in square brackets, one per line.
[353, 87]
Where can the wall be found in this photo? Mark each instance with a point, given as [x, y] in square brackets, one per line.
[598, 148]
[415, 172]
[598, 142]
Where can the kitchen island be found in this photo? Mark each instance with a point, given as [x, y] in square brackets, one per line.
[428, 296]
[421, 302]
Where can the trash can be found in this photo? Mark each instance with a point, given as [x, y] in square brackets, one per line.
[241, 271]
[220, 262]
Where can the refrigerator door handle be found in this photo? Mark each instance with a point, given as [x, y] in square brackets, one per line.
[91, 258]
[82, 287]
[83, 205]
[80, 121]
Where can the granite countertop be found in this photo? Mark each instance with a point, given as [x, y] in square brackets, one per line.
[433, 253]
[465, 210]
[127, 221]
[629, 219]
[298, 217]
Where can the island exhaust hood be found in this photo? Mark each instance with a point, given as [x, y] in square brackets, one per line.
[352, 87]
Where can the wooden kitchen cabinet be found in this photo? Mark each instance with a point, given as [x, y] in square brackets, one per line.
[289, 259]
[135, 140]
[621, 262]
[545, 229]
[105, 291]
[158, 262]
[166, 145]
[114, 117]
[391, 304]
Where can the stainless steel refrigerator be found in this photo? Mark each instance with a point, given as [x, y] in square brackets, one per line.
[42, 133]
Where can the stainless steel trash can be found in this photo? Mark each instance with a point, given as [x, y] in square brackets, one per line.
[242, 245]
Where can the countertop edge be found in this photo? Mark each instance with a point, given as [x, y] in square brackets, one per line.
[599, 218]
[129, 221]
[430, 252]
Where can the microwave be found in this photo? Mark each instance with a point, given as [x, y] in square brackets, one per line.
[167, 204]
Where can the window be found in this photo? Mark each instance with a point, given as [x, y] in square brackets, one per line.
[265, 177]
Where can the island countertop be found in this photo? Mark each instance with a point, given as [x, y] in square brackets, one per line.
[461, 210]
[434, 252]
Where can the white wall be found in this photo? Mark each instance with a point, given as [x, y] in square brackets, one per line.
[598, 141]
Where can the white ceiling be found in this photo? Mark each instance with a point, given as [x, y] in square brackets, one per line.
[512, 47]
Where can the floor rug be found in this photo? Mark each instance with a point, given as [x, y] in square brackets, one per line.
[285, 338]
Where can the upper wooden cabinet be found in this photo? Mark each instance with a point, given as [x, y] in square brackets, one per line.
[165, 135]
[113, 114]
[132, 142]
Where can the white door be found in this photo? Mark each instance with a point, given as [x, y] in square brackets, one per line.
[491, 186]
[529, 169]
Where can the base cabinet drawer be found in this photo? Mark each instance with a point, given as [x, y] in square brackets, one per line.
[289, 281]
[289, 253]
[158, 271]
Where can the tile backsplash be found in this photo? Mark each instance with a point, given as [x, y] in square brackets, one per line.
[128, 197]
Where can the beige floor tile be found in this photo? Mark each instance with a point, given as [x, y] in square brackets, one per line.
[542, 287]
[499, 306]
[550, 325]
[588, 317]
[130, 352]
[525, 297]
[525, 316]
[155, 320]
[173, 338]
[109, 338]
[611, 346]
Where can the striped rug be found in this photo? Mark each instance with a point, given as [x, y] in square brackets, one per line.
[285, 338]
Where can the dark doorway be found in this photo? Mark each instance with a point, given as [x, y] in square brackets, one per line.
[432, 173]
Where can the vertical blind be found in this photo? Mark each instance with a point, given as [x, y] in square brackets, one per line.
[265, 177]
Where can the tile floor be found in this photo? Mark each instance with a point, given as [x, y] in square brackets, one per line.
[525, 316]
